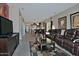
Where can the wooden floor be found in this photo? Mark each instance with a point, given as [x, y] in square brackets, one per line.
[31, 37]
[23, 48]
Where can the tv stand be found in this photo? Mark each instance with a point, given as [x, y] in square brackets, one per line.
[8, 44]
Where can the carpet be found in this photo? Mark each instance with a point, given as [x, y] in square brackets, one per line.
[58, 52]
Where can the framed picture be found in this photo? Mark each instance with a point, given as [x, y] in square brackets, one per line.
[74, 18]
[62, 22]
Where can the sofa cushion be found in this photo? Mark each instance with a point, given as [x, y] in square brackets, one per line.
[77, 35]
[68, 43]
[62, 32]
[70, 34]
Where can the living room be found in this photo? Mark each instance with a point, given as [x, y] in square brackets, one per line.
[50, 29]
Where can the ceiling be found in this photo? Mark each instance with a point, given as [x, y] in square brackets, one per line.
[41, 11]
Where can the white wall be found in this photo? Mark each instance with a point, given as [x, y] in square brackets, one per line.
[65, 13]
[14, 16]
[27, 28]
[48, 26]
[22, 27]
[18, 25]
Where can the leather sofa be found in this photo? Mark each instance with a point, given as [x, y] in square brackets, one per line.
[69, 41]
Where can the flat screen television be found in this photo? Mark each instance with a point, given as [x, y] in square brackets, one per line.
[6, 26]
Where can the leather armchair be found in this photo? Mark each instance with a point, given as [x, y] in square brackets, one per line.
[59, 38]
[66, 40]
[76, 41]
[53, 33]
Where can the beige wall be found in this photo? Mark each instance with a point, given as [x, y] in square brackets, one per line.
[65, 13]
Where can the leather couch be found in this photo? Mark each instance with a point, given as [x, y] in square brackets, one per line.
[69, 41]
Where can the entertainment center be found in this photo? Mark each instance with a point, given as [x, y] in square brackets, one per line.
[8, 40]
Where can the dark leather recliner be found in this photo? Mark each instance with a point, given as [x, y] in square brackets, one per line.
[59, 37]
[53, 33]
[69, 41]
[76, 46]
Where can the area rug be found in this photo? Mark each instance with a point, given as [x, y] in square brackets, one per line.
[58, 52]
